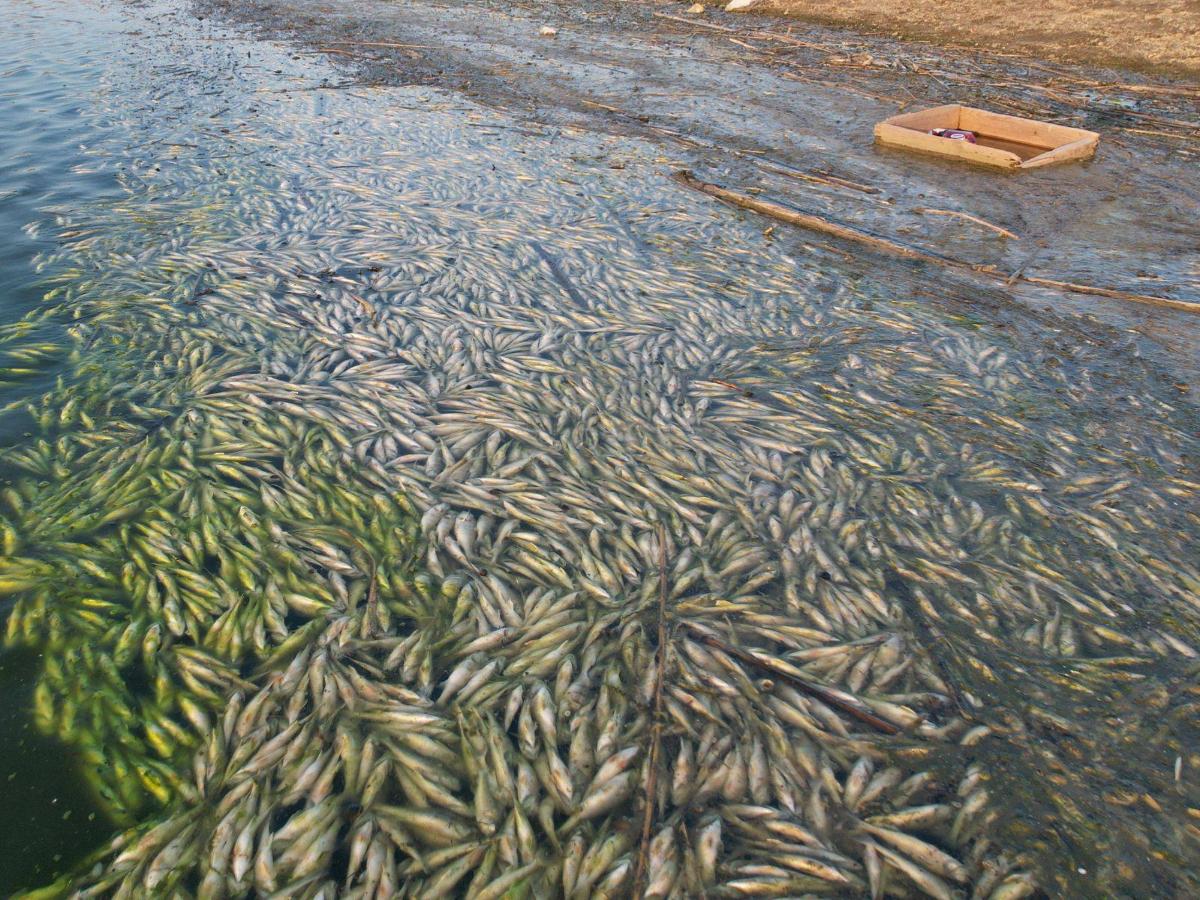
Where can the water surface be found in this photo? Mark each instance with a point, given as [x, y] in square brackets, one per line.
[318, 388]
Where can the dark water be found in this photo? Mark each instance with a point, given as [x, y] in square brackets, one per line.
[51, 817]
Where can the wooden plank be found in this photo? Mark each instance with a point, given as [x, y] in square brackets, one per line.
[1080, 149]
[1004, 141]
[925, 119]
[908, 139]
[1022, 131]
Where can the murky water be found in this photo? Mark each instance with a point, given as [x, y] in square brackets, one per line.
[361, 444]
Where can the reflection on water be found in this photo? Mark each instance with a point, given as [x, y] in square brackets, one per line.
[368, 445]
[51, 816]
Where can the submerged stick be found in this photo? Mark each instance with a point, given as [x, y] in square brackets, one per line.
[805, 220]
[830, 180]
[1074, 288]
[792, 674]
[695, 22]
[825, 226]
[846, 182]
[369, 619]
[639, 872]
[382, 44]
[970, 218]
[559, 275]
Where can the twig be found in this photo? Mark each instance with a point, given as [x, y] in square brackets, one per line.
[321, 87]
[844, 86]
[806, 220]
[788, 39]
[372, 600]
[750, 47]
[381, 44]
[1049, 92]
[1153, 89]
[599, 105]
[675, 135]
[696, 22]
[639, 872]
[825, 226]
[559, 275]
[1076, 288]
[792, 674]
[1162, 120]
[831, 180]
[962, 215]
[931, 637]
[846, 182]
[1170, 134]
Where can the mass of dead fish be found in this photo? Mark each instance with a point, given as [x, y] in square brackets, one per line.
[348, 542]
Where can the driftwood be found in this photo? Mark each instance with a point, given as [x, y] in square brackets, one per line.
[651, 785]
[846, 182]
[605, 106]
[1170, 134]
[382, 44]
[893, 248]
[781, 669]
[821, 178]
[962, 215]
[697, 23]
[807, 220]
[1075, 288]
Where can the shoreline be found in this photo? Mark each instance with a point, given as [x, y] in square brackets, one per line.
[727, 94]
[1138, 36]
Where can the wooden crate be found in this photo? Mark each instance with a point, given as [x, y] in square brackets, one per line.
[1005, 142]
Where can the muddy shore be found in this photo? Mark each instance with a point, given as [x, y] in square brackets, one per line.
[734, 97]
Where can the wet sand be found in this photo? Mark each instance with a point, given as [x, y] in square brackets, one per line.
[1154, 35]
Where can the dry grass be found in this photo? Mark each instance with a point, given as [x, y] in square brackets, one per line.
[1159, 35]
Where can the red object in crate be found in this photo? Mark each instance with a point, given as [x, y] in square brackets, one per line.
[955, 134]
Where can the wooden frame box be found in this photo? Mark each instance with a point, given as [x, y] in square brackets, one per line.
[1005, 142]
